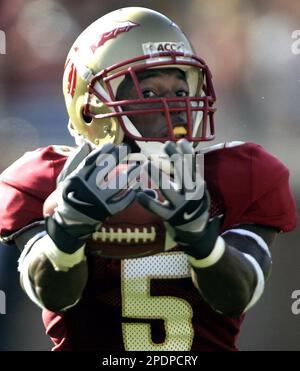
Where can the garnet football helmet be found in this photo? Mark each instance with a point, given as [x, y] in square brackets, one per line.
[124, 43]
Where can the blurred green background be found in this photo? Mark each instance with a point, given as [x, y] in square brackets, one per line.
[248, 46]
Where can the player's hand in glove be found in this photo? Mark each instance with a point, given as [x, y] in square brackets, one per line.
[186, 215]
[82, 204]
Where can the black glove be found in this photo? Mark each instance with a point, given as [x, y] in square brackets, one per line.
[186, 212]
[82, 204]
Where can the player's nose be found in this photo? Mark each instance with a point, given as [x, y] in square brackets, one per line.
[178, 117]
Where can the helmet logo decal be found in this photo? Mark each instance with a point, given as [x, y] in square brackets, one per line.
[72, 78]
[113, 32]
[164, 46]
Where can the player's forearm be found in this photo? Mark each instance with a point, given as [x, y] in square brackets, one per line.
[51, 278]
[57, 290]
[229, 284]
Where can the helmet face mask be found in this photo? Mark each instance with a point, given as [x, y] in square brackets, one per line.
[103, 115]
[190, 104]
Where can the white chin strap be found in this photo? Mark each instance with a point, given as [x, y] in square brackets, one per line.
[150, 148]
[147, 148]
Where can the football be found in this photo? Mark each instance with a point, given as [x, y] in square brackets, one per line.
[132, 233]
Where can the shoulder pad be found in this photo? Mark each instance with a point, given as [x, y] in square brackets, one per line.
[219, 146]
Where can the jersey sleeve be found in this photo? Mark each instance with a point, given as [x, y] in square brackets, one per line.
[273, 203]
[24, 186]
[263, 195]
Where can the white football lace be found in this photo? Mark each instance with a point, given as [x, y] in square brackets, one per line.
[130, 235]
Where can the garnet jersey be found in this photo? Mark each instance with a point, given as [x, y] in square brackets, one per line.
[150, 303]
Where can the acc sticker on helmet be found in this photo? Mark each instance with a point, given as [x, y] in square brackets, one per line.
[165, 46]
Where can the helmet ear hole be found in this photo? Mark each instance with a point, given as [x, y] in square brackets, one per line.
[87, 119]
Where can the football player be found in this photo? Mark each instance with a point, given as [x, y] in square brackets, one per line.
[127, 268]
